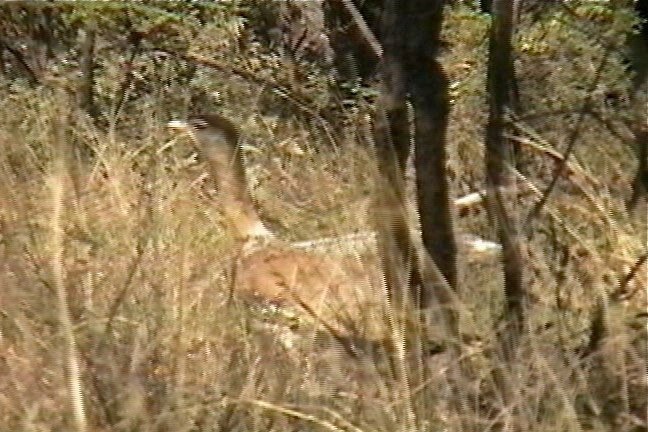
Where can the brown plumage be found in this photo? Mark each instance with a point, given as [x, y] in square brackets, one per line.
[331, 292]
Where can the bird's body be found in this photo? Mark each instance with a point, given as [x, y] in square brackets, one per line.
[333, 293]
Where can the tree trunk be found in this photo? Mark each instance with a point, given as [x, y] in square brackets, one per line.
[499, 170]
[638, 57]
[392, 139]
[428, 86]
[86, 66]
[410, 71]
[411, 36]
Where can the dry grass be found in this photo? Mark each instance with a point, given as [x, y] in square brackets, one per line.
[145, 266]
[132, 240]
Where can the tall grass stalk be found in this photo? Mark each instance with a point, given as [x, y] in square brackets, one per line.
[57, 188]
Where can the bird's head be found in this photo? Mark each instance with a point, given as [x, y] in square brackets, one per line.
[211, 132]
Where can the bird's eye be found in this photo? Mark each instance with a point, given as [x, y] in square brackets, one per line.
[198, 123]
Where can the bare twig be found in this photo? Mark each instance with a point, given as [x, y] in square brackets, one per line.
[365, 32]
[22, 62]
[571, 141]
[622, 291]
[298, 100]
[572, 168]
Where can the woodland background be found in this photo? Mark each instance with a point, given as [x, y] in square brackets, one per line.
[114, 266]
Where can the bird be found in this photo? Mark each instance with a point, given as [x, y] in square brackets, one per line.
[328, 293]
[317, 285]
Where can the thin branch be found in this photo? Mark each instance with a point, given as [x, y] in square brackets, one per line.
[365, 32]
[622, 291]
[20, 58]
[571, 168]
[300, 101]
[572, 140]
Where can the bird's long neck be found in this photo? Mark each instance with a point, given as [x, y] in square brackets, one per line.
[225, 163]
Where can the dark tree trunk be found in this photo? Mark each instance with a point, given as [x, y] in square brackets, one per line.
[411, 33]
[485, 6]
[499, 164]
[640, 182]
[392, 138]
[428, 87]
[86, 66]
[410, 71]
[411, 36]
[428, 90]
[638, 59]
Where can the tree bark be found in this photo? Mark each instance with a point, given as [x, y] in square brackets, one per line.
[86, 66]
[499, 170]
[638, 57]
[410, 72]
[411, 36]
[392, 140]
[428, 86]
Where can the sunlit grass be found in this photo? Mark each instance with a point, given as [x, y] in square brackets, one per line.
[123, 227]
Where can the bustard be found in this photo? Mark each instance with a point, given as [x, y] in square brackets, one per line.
[331, 292]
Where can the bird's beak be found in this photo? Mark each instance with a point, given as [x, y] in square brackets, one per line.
[178, 125]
